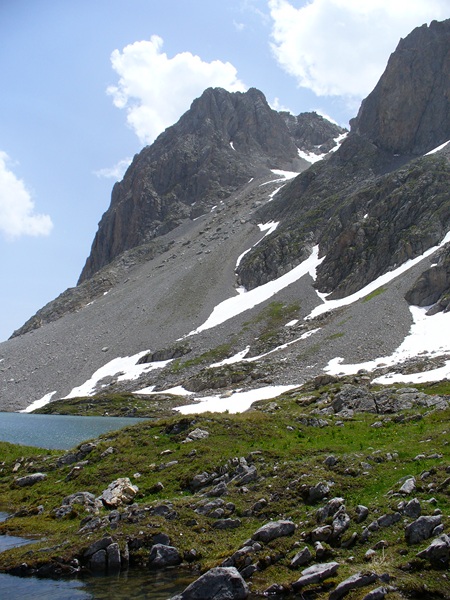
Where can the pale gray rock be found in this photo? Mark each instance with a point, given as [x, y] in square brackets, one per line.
[361, 513]
[421, 529]
[273, 530]
[220, 583]
[28, 480]
[438, 552]
[353, 582]
[119, 492]
[315, 574]
[162, 556]
[302, 557]
[409, 486]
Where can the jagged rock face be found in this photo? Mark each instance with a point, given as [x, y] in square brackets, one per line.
[408, 112]
[370, 206]
[433, 286]
[364, 224]
[222, 141]
[311, 131]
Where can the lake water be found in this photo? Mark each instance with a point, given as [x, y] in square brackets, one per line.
[64, 432]
[56, 431]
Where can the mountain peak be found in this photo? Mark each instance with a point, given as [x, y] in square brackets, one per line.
[408, 112]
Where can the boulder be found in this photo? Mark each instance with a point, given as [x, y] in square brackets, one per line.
[162, 556]
[226, 524]
[361, 513]
[315, 574]
[28, 480]
[438, 552]
[409, 486]
[353, 582]
[302, 557]
[220, 583]
[119, 492]
[421, 529]
[196, 434]
[273, 530]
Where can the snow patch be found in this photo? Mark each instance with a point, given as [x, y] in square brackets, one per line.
[285, 174]
[39, 403]
[232, 360]
[292, 323]
[372, 286]
[126, 368]
[310, 156]
[437, 149]
[242, 302]
[428, 337]
[236, 403]
[268, 228]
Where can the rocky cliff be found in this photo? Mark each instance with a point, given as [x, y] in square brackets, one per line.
[364, 205]
[408, 111]
[215, 148]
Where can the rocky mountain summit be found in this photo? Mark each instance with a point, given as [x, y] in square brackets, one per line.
[215, 148]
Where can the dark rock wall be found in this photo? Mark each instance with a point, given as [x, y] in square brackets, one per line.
[408, 112]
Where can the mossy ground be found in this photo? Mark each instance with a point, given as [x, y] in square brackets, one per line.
[287, 454]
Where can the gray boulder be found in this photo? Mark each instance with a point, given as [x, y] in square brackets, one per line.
[421, 529]
[353, 582]
[220, 583]
[315, 574]
[28, 480]
[301, 558]
[162, 556]
[438, 552]
[273, 530]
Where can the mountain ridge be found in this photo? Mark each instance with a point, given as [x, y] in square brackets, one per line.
[210, 207]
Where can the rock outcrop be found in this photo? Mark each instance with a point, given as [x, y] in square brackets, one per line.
[408, 111]
[217, 146]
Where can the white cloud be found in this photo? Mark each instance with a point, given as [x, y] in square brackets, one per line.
[117, 171]
[156, 90]
[341, 47]
[17, 216]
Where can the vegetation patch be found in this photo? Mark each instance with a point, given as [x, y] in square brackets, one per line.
[270, 464]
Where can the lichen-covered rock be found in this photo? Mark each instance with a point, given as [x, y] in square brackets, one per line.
[438, 552]
[315, 574]
[353, 582]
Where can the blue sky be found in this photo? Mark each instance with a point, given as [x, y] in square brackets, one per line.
[86, 84]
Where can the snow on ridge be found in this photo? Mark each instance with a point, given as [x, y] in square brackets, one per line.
[39, 403]
[437, 148]
[338, 141]
[125, 367]
[242, 302]
[373, 285]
